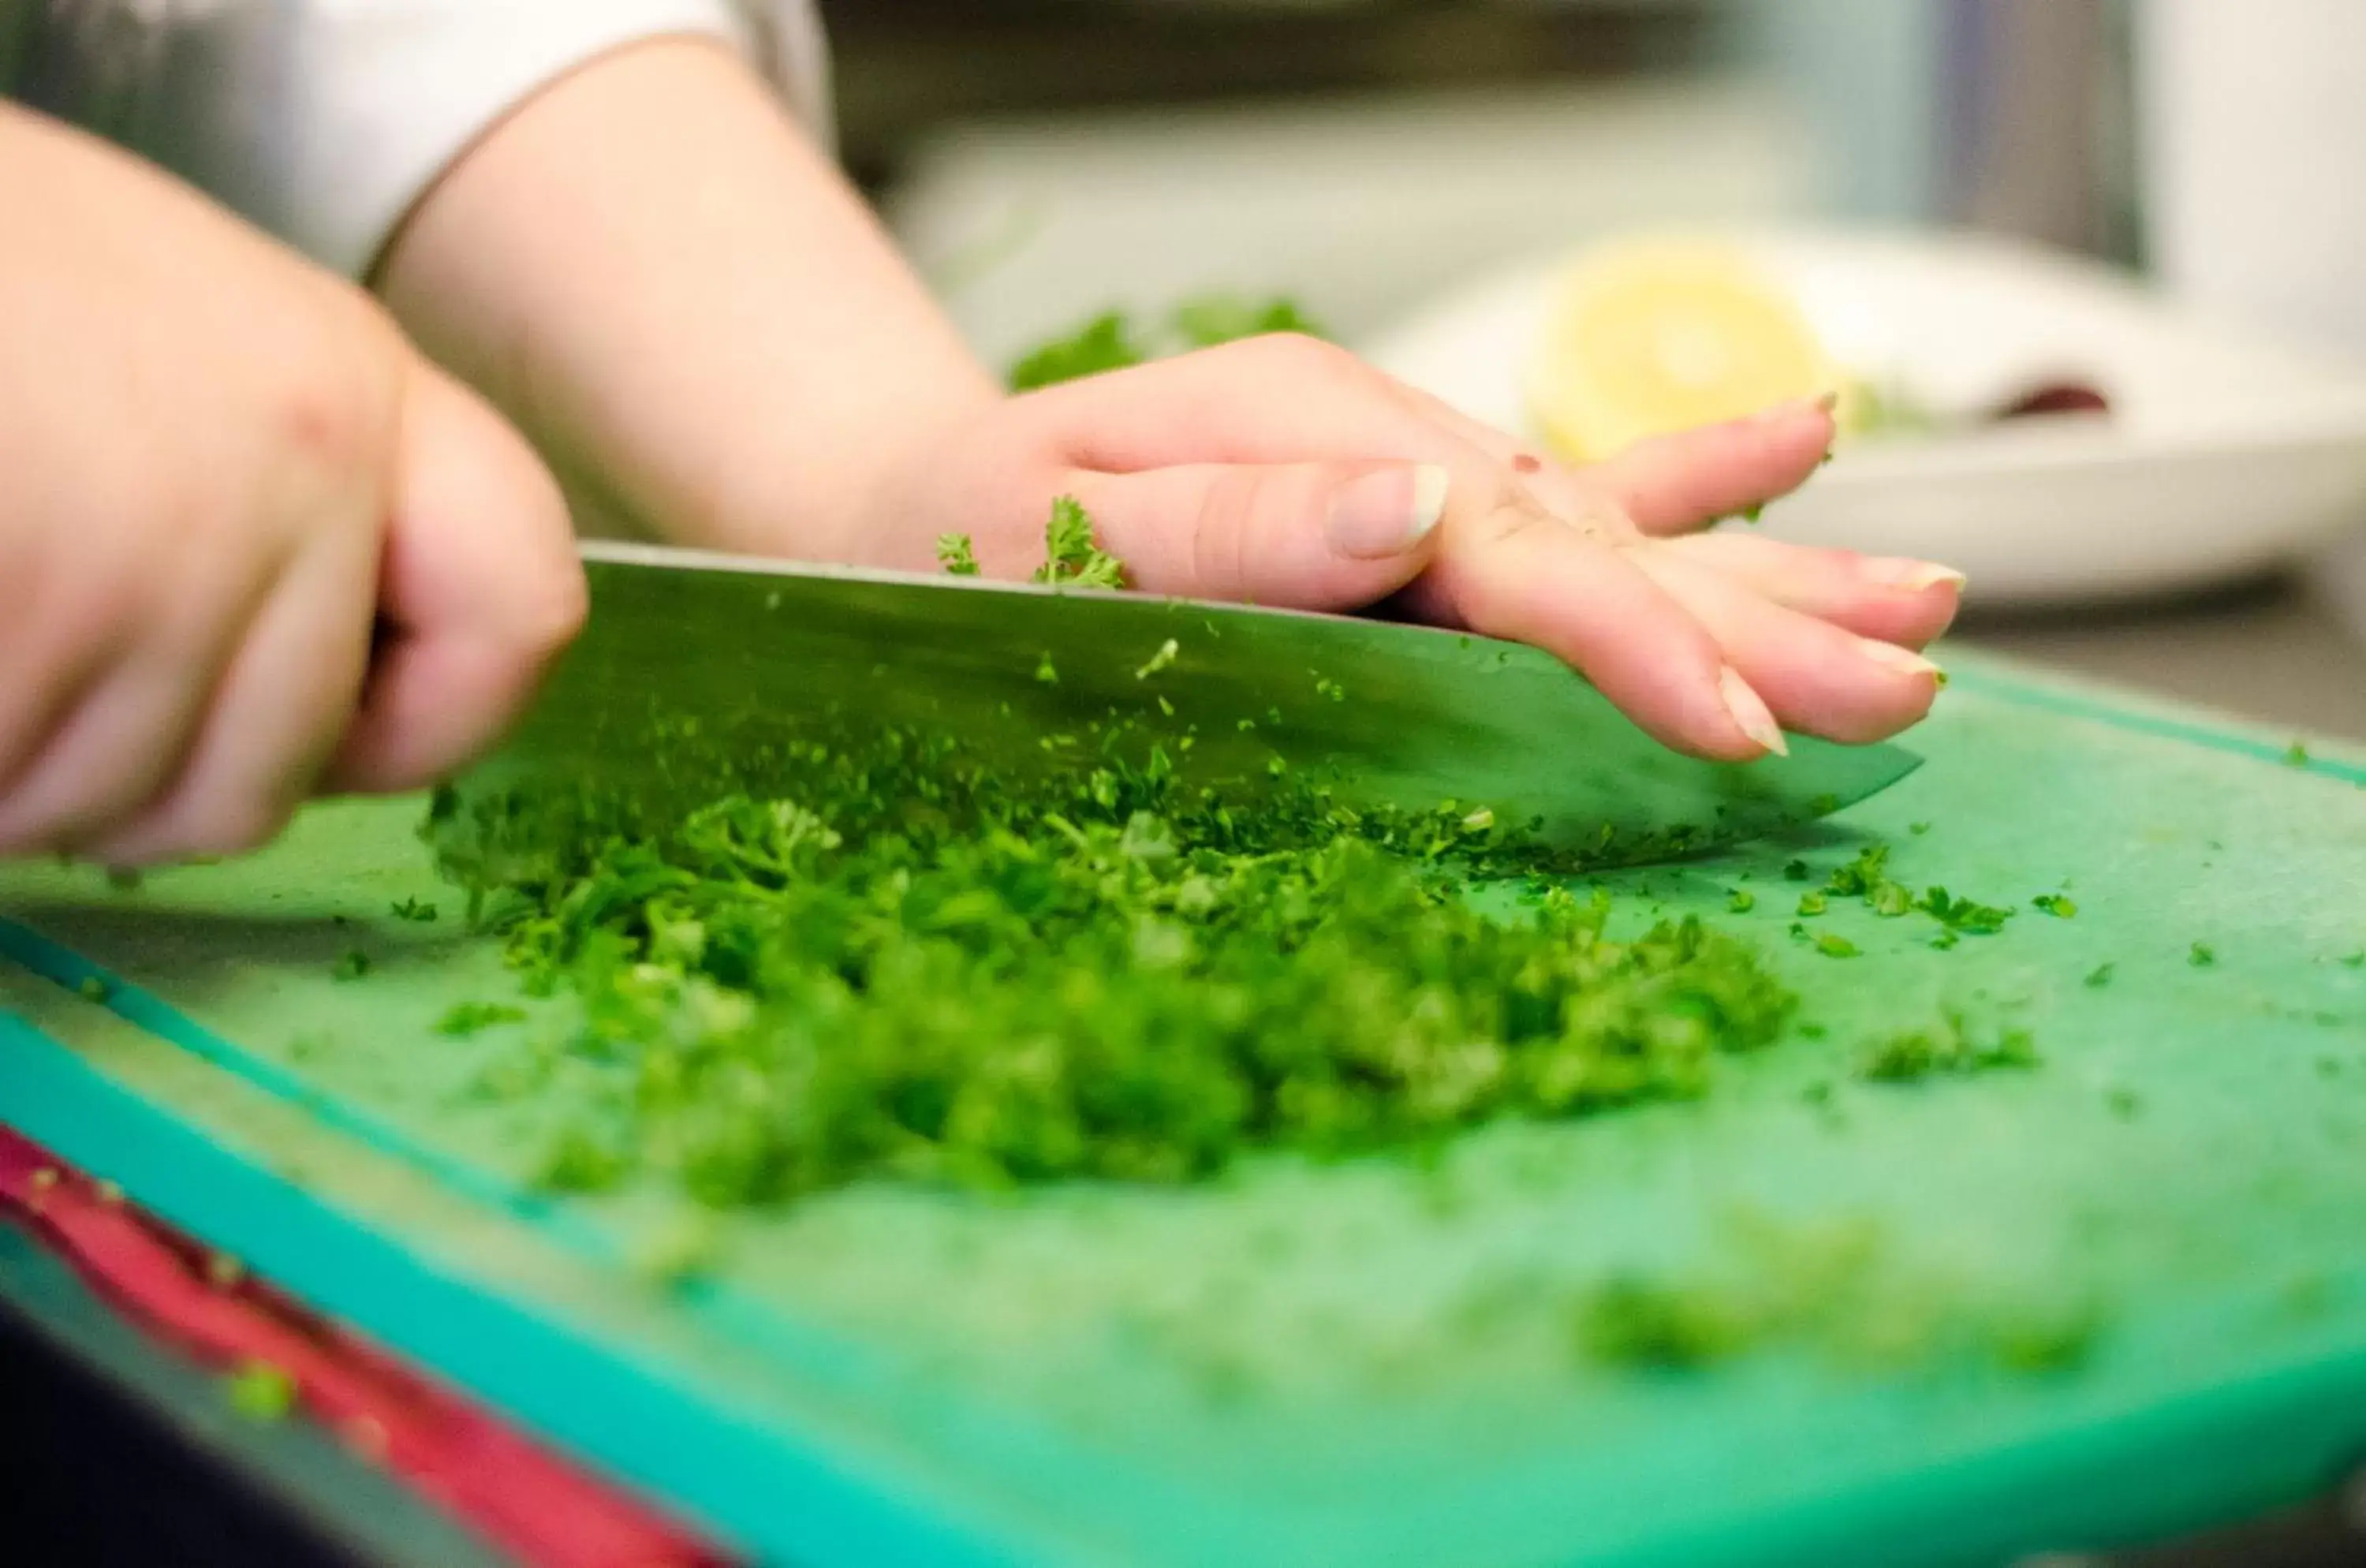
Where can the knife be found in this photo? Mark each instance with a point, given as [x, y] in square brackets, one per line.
[693, 669]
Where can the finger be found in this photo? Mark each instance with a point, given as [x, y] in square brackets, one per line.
[1675, 484]
[1280, 399]
[1909, 602]
[478, 591]
[54, 671]
[1818, 678]
[138, 717]
[1510, 570]
[1304, 535]
[276, 720]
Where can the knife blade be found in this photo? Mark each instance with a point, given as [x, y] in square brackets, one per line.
[690, 661]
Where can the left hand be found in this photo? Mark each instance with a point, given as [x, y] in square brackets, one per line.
[1285, 471]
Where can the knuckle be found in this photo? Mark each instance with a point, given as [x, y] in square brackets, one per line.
[1299, 355]
[1502, 517]
[333, 405]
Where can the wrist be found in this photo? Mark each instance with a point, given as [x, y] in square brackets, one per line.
[682, 301]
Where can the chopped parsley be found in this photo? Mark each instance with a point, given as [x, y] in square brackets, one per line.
[1949, 1049]
[464, 1018]
[2100, 976]
[1070, 556]
[2202, 955]
[1963, 915]
[261, 1391]
[957, 555]
[352, 966]
[1165, 656]
[2055, 904]
[413, 910]
[1836, 1289]
[1742, 900]
[885, 962]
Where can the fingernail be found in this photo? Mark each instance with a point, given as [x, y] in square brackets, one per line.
[1913, 576]
[1750, 712]
[1798, 407]
[1903, 660]
[1387, 512]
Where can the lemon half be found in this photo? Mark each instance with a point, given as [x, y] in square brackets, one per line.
[1647, 338]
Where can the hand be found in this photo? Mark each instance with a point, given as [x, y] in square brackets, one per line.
[1285, 471]
[742, 361]
[224, 470]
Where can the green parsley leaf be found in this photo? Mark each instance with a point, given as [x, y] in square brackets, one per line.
[957, 555]
[1070, 556]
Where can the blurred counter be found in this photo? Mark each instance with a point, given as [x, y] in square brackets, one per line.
[2270, 652]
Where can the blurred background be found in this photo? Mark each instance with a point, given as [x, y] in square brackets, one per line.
[1047, 159]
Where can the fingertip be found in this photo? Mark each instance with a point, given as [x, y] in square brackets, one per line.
[1908, 575]
[1749, 714]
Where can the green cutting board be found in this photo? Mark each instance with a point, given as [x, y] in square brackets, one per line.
[2113, 1296]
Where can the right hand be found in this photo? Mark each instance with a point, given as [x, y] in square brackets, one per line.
[251, 545]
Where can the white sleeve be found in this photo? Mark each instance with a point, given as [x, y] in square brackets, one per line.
[324, 120]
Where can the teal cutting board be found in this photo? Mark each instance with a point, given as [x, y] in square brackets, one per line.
[2109, 1298]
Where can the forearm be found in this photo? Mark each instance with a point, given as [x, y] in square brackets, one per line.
[651, 268]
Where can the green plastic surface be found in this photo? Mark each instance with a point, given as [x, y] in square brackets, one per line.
[1379, 1362]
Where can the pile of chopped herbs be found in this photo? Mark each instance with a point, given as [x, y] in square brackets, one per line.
[899, 968]
[881, 958]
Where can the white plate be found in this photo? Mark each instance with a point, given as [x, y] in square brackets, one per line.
[2222, 455]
